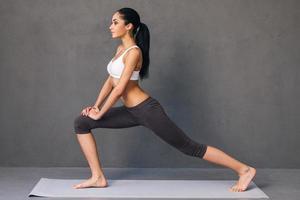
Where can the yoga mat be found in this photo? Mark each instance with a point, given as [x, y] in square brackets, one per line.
[145, 189]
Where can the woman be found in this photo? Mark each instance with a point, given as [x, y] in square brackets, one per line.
[131, 61]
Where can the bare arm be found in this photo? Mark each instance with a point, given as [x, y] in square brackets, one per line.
[106, 89]
[112, 98]
[130, 63]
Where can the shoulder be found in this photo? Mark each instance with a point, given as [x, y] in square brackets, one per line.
[133, 53]
[134, 50]
[132, 56]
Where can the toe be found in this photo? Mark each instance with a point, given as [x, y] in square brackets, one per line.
[77, 186]
[233, 188]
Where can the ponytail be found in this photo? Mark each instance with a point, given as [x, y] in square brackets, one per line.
[142, 38]
[141, 35]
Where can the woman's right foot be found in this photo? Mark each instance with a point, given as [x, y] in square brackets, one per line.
[244, 180]
[92, 182]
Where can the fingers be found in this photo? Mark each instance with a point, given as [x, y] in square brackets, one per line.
[85, 111]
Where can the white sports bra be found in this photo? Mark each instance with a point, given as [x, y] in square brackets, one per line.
[115, 68]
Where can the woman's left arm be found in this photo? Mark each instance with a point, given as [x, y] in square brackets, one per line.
[130, 63]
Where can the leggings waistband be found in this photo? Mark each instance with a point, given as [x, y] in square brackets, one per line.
[141, 104]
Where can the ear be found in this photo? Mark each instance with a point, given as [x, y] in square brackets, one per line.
[129, 26]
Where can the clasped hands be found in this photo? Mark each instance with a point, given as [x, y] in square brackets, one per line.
[92, 112]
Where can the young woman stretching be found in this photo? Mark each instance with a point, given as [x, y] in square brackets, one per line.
[129, 64]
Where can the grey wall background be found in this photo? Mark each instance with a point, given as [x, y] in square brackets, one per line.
[227, 72]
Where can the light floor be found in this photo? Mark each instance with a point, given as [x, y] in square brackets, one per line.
[17, 182]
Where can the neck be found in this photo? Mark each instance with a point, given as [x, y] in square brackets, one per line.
[127, 41]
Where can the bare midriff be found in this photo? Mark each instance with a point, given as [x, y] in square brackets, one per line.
[132, 94]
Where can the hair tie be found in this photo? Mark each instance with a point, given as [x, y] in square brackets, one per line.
[137, 30]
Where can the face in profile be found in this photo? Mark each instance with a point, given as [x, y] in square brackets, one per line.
[118, 28]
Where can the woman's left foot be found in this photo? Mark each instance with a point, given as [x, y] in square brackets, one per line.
[244, 180]
[92, 182]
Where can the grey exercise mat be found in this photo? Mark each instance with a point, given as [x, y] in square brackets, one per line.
[146, 189]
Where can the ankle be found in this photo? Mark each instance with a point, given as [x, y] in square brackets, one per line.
[244, 169]
[98, 176]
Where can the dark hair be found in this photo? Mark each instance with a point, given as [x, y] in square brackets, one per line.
[141, 35]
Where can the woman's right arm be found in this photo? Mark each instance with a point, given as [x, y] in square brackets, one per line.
[106, 89]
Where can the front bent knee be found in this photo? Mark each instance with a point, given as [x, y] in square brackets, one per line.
[81, 125]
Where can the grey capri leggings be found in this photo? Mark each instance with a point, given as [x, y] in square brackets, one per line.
[148, 113]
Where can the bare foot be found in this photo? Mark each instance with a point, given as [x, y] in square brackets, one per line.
[244, 180]
[92, 182]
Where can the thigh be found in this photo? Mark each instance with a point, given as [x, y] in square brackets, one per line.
[157, 120]
[115, 117]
